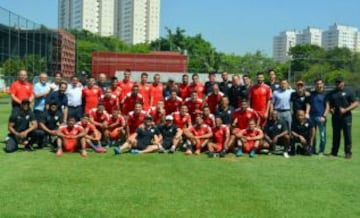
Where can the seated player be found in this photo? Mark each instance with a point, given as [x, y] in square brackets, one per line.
[92, 135]
[116, 129]
[22, 128]
[170, 135]
[50, 122]
[130, 99]
[198, 136]
[99, 118]
[173, 102]
[182, 118]
[145, 140]
[249, 140]
[221, 137]
[302, 134]
[71, 138]
[110, 101]
[208, 117]
[158, 113]
[194, 105]
[276, 133]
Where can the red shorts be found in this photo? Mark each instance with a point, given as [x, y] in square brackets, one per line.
[115, 134]
[70, 145]
[262, 119]
[249, 145]
[218, 147]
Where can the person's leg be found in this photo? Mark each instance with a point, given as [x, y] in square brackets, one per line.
[346, 123]
[11, 144]
[59, 142]
[37, 136]
[82, 142]
[149, 149]
[322, 134]
[314, 121]
[336, 135]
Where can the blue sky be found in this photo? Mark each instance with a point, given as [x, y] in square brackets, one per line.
[237, 26]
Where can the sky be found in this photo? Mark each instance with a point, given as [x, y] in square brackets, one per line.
[232, 26]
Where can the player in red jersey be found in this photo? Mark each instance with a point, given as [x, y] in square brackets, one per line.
[208, 117]
[184, 88]
[116, 128]
[158, 113]
[92, 135]
[241, 116]
[128, 103]
[173, 102]
[197, 86]
[249, 140]
[126, 84]
[214, 98]
[91, 95]
[198, 135]
[182, 118]
[110, 101]
[69, 137]
[21, 90]
[156, 90]
[99, 118]
[136, 117]
[220, 139]
[115, 89]
[194, 105]
[144, 90]
[260, 96]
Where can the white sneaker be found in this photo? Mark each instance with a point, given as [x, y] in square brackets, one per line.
[286, 155]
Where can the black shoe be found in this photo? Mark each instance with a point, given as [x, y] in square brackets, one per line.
[212, 155]
[348, 156]
[222, 154]
[29, 148]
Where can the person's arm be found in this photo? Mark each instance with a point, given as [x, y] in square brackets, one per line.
[206, 136]
[15, 99]
[38, 94]
[268, 108]
[227, 137]
[33, 125]
[179, 133]
[307, 110]
[12, 130]
[351, 107]
[258, 137]
[65, 112]
[47, 130]
[284, 133]
[188, 133]
[81, 134]
[312, 136]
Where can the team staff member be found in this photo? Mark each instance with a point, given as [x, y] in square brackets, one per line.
[156, 90]
[220, 139]
[276, 132]
[302, 132]
[55, 85]
[209, 84]
[317, 110]
[234, 92]
[146, 140]
[244, 91]
[128, 102]
[260, 98]
[173, 102]
[281, 102]
[273, 83]
[50, 122]
[21, 90]
[170, 135]
[74, 96]
[225, 110]
[199, 136]
[197, 86]
[59, 97]
[115, 89]
[225, 84]
[91, 95]
[341, 102]
[144, 90]
[71, 137]
[22, 125]
[41, 91]
[299, 97]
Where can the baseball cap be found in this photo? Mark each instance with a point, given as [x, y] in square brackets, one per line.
[169, 117]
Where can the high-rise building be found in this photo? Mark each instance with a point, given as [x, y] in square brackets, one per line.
[341, 36]
[282, 44]
[309, 35]
[137, 21]
[96, 16]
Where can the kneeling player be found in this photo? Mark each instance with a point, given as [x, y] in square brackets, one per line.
[249, 139]
[146, 139]
[221, 136]
[170, 135]
[276, 133]
[70, 136]
[198, 135]
[92, 135]
[302, 132]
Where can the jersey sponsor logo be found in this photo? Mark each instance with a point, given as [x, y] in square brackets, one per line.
[343, 94]
[306, 125]
[27, 117]
[279, 126]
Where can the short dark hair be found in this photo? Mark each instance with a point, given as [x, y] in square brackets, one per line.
[317, 80]
[195, 74]
[246, 75]
[185, 75]
[144, 74]
[114, 78]
[212, 74]
[259, 73]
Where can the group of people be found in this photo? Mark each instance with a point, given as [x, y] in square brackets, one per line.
[234, 115]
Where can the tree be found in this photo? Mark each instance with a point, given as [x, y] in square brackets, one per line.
[11, 66]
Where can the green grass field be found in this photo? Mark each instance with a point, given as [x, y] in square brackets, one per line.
[39, 184]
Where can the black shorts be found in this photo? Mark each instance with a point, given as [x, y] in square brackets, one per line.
[142, 145]
[167, 143]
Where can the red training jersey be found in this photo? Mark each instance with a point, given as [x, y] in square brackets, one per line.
[128, 103]
[220, 133]
[184, 91]
[241, 118]
[110, 103]
[213, 100]
[89, 128]
[125, 87]
[74, 131]
[91, 95]
[156, 93]
[144, 90]
[135, 120]
[157, 115]
[194, 107]
[99, 117]
[172, 105]
[201, 130]
[209, 120]
[119, 121]
[259, 95]
[181, 121]
[199, 88]
[21, 90]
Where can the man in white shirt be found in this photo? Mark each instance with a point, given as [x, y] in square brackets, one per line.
[73, 93]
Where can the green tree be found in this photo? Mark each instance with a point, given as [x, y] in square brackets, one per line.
[11, 66]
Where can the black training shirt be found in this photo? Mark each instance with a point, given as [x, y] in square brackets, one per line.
[146, 134]
[340, 98]
[21, 119]
[168, 133]
[304, 129]
[274, 128]
[52, 120]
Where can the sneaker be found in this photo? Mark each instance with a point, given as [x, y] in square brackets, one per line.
[117, 151]
[172, 150]
[222, 153]
[197, 151]
[134, 151]
[286, 155]
[348, 156]
[161, 150]
[252, 153]
[211, 155]
[188, 152]
[238, 152]
[59, 152]
[83, 153]
[100, 149]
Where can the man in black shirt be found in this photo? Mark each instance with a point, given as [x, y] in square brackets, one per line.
[276, 133]
[209, 84]
[244, 93]
[22, 128]
[273, 82]
[235, 92]
[224, 111]
[170, 135]
[225, 85]
[341, 102]
[303, 132]
[61, 98]
[146, 139]
[50, 122]
[299, 98]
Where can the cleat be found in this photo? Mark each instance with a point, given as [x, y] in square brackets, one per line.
[238, 152]
[117, 151]
[134, 151]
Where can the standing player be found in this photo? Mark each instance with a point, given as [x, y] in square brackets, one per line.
[145, 140]
[213, 99]
[197, 86]
[225, 84]
[126, 84]
[234, 92]
[70, 136]
[249, 139]
[145, 90]
[209, 84]
[303, 133]
[156, 90]
[299, 97]
[115, 88]
[129, 101]
[260, 98]
[182, 118]
[110, 101]
[91, 95]
[198, 135]
[194, 105]
[184, 88]
[220, 139]
[170, 135]
[173, 102]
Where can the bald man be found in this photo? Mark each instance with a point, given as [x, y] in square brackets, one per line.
[102, 82]
[41, 91]
[21, 90]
